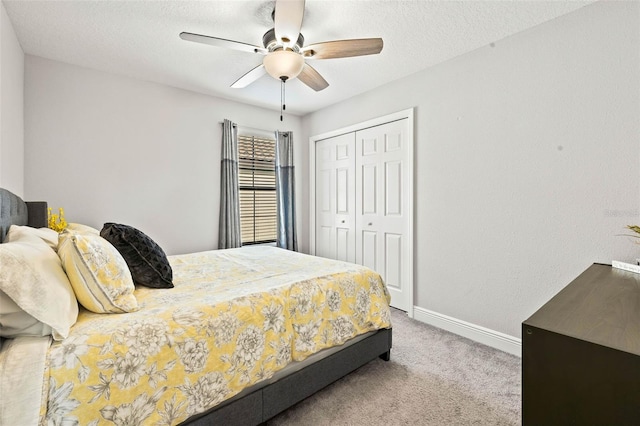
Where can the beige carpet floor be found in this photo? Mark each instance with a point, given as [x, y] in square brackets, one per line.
[434, 378]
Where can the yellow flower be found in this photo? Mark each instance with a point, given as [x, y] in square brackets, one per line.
[57, 222]
[635, 229]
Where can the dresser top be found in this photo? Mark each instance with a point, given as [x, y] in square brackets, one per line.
[601, 306]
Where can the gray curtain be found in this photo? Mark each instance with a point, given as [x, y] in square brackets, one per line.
[285, 184]
[229, 226]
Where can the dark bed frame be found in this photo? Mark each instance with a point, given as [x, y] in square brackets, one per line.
[266, 401]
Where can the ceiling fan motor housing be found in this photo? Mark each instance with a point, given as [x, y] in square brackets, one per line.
[270, 42]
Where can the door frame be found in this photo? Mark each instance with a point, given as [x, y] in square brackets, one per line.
[407, 114]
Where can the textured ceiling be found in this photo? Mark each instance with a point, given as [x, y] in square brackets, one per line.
[140, 39]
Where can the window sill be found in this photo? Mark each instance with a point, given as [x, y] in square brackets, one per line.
[273, 244]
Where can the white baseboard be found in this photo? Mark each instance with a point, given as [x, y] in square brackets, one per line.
[480, 334]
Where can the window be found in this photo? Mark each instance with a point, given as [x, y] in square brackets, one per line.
[257, 181]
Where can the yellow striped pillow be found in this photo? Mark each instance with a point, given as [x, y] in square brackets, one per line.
[98, 274]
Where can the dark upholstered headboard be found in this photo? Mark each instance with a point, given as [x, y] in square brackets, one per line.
[15, 211]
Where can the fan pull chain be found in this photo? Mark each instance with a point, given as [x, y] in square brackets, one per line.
[283, 107]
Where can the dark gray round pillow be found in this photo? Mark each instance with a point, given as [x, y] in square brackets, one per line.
[147, 261]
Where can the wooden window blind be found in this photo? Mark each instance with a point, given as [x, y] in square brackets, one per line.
[257, 181]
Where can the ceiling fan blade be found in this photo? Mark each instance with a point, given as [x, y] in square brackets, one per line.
[288, 21]
[249, 77]
[343, 48]
[221, 42]
[312, 78]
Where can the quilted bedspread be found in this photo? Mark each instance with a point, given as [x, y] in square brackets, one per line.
[234, 318]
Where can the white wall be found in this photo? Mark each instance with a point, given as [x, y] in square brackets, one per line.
[11, 107]
[528, 162]
[111, 148]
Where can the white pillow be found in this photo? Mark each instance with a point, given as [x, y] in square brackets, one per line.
[98, 273]
[47, 235]
[32, 276]
[15, 322]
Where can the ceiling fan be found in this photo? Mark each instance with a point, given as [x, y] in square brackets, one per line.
[284, 50]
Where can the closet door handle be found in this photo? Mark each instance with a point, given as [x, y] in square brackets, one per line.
[370, 223]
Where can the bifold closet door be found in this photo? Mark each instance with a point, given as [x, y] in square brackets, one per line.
[383, 240]
[335, 198]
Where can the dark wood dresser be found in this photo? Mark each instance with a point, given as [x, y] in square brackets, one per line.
[581, 353]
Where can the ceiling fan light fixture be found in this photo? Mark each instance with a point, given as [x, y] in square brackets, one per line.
[283, 64]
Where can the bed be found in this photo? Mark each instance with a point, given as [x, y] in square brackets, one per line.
[239, 336]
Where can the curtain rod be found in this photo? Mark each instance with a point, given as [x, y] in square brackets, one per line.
[253, 128]
[248, 128]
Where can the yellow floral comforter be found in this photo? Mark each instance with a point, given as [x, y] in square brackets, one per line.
[234, 318]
